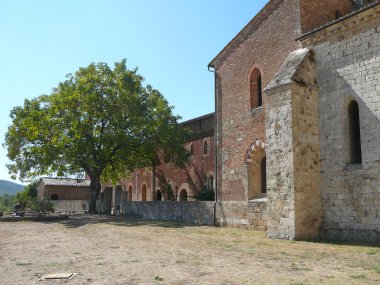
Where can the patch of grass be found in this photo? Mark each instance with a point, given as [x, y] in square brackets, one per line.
[100, 263]
[299, 267]
[158, 278]
[377, 270]
[180, 261]
[372, 252]
[358, 276]
[23, 263]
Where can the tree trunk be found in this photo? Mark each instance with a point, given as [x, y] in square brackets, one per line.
[95, 188]
[154, 181]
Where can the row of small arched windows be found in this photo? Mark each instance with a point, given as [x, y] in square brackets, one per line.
[205, 148]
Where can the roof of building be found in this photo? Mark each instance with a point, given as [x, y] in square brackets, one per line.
[197, 119]
[288, 69]
[49, 181]
[341, 19]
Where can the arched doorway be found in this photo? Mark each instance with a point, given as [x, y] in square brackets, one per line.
[256, 163]
[54, 197]
[143, 193]
[130, 193]
[158, 195]
[183, 195]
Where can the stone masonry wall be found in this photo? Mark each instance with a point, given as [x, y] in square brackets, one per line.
[307, 197]
[251, 214]
[280, 175]
[294, 208]
[199, 213]
[348, 61]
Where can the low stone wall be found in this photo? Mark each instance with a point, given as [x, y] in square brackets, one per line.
[251, 214]
[70, 206]
[199, 213]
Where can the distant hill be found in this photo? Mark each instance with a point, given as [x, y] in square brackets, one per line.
[10, 188]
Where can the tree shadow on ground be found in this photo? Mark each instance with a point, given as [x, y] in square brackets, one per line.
[122, 221]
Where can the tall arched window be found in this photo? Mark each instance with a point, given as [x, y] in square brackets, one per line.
[256, 96]
[205, 147]
[130, 193]
[354, 133]
[192, 149]
[143, 193]
[210, 183]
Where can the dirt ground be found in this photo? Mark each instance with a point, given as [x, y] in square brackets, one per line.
[107, 250]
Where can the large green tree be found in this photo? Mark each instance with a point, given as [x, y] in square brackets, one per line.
[100, 120]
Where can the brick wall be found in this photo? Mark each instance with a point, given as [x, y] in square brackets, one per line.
[316, 13]
[264, 44]
[193, 178]
[68, 192]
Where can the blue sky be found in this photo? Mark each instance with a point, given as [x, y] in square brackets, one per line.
[170, 41]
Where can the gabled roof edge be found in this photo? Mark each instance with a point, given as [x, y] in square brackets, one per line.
[257, 19]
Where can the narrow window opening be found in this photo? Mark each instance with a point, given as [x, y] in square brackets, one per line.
[130, 193]
[264, 175]
[259, 91]
[256, 95]
[354, 133]
[338, 14]
[205, 147]
[192, 149]
[143, 193]
[210, 184]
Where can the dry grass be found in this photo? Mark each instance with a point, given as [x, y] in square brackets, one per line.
[104, 250]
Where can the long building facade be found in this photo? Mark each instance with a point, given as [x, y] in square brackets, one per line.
[166, 182]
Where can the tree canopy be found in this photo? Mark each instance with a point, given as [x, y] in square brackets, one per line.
[100, 120]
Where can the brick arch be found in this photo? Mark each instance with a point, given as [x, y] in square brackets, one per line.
[185, 186]
[258, 144]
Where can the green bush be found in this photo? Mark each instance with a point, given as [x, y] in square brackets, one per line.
[43, 206]
[7, 202]
[205, 195]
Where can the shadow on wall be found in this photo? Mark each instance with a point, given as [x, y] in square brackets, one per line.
[196, 183]
[350, 156]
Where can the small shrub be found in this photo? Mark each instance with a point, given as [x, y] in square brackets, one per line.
[205, 195]
[1, 214]
[43, 206]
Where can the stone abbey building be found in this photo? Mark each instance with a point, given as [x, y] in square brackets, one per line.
[294, 145]
[298, 121]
